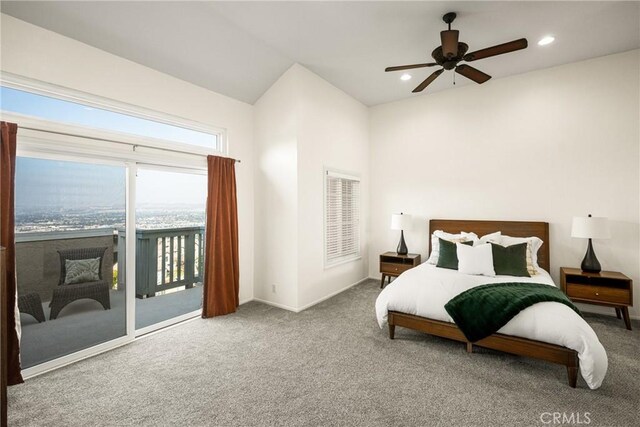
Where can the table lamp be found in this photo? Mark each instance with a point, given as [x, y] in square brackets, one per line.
[590, 228]
[401, 222]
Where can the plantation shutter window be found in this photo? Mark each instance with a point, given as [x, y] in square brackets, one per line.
[342, 217]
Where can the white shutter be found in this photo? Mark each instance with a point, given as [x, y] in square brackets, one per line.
[342, 217]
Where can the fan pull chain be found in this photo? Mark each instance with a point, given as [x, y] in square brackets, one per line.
[454, 78]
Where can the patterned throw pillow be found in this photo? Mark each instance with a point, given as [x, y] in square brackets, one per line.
[81, 270]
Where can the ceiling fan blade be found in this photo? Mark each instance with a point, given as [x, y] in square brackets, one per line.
[472, 73]
[428, 81]
[408, 67]
[449, 41]
[496, 50]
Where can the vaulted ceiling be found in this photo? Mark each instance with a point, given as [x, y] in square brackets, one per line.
[240, 48]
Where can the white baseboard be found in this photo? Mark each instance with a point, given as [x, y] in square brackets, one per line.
[311, 304]
[275, 304]
[304, 307]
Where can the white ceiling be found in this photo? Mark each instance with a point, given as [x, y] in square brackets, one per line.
[240, 48]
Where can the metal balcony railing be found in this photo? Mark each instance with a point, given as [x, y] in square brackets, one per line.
[165, 259]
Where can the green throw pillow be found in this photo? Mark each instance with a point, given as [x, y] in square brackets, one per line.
[81, 270]
[448, 257]
[510, 260]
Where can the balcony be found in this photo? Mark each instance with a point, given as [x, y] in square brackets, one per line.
[165, 259]
[169, 269]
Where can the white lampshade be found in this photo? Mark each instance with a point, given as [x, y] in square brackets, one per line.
[590, 227]
[400, 221]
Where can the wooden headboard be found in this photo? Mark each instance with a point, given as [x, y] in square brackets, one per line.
[511, 228]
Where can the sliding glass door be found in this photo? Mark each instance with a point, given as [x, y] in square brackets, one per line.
[88, 207]
[71, 250]
[170, 220]
[68, 218]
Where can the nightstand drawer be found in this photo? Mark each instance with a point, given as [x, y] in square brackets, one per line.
[387, 267]
[599, 293]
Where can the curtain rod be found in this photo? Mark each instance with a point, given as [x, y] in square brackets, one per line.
[114, 141]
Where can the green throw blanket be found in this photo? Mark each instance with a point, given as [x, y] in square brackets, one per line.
[482, 311]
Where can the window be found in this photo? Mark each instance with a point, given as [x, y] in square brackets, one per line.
[62, 111]
[342, 217]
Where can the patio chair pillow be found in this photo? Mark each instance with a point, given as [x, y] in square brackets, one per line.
[81, 270]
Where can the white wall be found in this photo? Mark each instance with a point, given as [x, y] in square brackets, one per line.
[546, 145]
[40, 54]
[333, 133]
[276, 185]
[302, 125]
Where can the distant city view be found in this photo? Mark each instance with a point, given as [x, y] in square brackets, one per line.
[60, 196]
[100, 218]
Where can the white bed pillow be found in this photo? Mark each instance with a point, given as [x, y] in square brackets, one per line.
[533, 245]
[477, 260]
[492, 237]
[455, 238]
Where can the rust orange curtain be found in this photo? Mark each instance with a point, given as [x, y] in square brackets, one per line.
[7, 239]
[221, 264]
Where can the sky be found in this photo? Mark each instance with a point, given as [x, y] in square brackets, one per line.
[161, 188]
[52, 184]
[30, 104]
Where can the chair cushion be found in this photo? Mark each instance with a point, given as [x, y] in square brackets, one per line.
[81, 270]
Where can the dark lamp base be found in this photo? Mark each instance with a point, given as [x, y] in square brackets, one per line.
[590, 263]
[402, 246]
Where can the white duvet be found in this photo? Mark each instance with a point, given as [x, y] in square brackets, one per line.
[424, 291]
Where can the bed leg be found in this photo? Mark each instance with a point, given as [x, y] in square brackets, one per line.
[469, 347]
[392, 331]
[572, 371]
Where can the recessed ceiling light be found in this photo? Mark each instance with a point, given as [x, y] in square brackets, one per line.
[405, 76]
[546, 40]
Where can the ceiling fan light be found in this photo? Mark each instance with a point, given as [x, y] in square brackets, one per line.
[405, 77]
[546, 40]
[449, 40]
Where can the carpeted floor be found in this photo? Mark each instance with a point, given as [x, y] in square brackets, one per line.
[328, 365]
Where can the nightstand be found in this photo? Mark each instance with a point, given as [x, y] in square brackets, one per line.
[607, 288]
[392, 265]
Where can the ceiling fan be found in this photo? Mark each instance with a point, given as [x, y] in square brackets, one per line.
[452, 52]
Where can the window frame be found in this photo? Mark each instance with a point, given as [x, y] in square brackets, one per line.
[348, 258]
[50, 90]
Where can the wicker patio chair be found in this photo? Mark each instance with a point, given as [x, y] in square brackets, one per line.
[65, 294]
[31, 304]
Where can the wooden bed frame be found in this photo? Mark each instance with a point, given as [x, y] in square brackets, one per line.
[506, 343]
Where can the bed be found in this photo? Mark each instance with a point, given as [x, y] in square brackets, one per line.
[548, 331]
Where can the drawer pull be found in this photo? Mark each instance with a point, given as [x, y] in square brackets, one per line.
[597, 293]
[396, 269]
